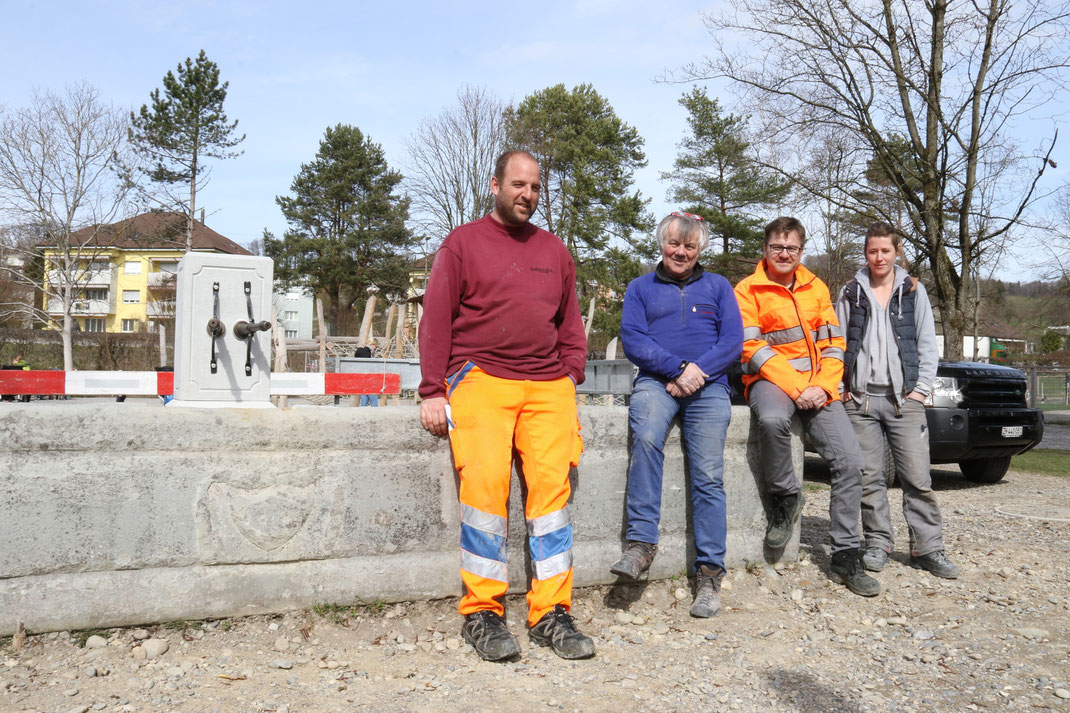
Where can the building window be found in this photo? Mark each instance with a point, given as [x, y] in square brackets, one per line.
[96, 294]
[99, 266]
[171, 268]
[291, 316]
[291, 334]
[94, 325]
[132, 267]
[129, 325]
[131, 297]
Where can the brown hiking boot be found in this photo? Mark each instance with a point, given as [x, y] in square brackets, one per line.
[707, 592]
[635, 560]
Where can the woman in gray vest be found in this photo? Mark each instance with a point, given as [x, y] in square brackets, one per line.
[889, 367]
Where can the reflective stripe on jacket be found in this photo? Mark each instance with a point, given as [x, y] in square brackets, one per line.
[790, 337]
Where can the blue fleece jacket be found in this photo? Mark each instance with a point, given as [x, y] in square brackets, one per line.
[667, 322]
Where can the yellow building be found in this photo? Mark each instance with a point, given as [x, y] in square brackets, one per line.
[128, 283]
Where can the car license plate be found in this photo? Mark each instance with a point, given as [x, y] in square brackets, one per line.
[1012, 431]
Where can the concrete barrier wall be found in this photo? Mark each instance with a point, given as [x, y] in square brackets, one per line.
[121, 514]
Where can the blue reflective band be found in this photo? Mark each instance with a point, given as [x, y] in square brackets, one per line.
[484, 544]
[454, 380]
[551, 544]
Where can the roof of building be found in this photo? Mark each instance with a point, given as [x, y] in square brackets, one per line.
[157, 231]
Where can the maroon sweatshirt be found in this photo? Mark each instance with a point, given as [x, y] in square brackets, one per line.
[504, 299]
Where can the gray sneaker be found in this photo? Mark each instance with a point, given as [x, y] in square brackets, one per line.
[707, 592]
[783, 513]
[635, 560]
[937, 563]
[875, 559]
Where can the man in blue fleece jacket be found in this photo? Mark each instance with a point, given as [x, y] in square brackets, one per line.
[681, 326]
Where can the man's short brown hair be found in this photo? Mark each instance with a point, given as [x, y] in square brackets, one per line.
[503, 161]
[784, 225]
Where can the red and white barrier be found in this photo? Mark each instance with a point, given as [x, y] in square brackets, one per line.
[162, 383]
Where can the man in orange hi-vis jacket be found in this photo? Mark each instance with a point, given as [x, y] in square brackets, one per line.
[792, 365]
[502, 349]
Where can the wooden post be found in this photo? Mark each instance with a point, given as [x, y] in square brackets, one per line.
[366, 323]
[323, 335]
[590, 318]
[163, 343]
[280, 353]
[400, 332]
[611, 349]
[419, 317]
[389, 324]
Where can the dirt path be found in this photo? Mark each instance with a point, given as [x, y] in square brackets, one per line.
[997, 639]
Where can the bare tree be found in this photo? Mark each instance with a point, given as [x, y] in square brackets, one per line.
[58, 189]
[929, 92]
[1055, 247]
[830, 165]
[451, 159]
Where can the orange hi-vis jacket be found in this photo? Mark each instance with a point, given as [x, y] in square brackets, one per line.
[790, 337]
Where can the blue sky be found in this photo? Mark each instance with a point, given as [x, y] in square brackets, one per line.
[296, 68]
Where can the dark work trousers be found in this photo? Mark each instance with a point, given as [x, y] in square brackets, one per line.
[908, 436]
[830, 433]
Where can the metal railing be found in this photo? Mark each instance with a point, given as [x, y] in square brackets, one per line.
[1049, 388]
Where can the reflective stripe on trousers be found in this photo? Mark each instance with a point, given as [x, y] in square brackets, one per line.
[490, 415]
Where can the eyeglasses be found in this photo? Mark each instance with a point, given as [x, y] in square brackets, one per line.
[692, 216]
[789, 249]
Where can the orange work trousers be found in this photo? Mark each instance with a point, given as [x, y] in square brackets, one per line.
[490, 415]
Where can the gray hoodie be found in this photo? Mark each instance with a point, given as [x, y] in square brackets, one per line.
[924, 326]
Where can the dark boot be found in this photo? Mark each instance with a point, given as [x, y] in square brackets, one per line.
[557, 630]
[489, 636]
[847, 569]
[783, 514]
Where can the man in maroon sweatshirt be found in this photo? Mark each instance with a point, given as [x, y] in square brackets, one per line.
[502, 349]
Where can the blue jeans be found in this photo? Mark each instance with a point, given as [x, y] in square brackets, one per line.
[704, 418]
[369, 399]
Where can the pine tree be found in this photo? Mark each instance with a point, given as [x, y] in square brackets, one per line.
[346, 225]
[185, 125]
[588, 156]
[717, 178]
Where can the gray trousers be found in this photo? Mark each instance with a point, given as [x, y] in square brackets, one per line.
[908, 435]
[831, 435]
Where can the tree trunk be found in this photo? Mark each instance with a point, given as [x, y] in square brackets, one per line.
[68, 337]
[192, 201]
[366, 323]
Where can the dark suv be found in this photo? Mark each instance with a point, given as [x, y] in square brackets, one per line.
[978, 417]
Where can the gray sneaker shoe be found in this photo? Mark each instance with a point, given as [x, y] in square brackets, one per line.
[846, 568]
[875, 559]
[557, 630]
[707, 592]
[937, 563]
[489, 636]
[635, 560]
[783, 514]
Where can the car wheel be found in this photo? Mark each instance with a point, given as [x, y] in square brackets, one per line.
[890, 478]
[990, 470]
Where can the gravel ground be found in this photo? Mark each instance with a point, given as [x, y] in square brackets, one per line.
[997, 639]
